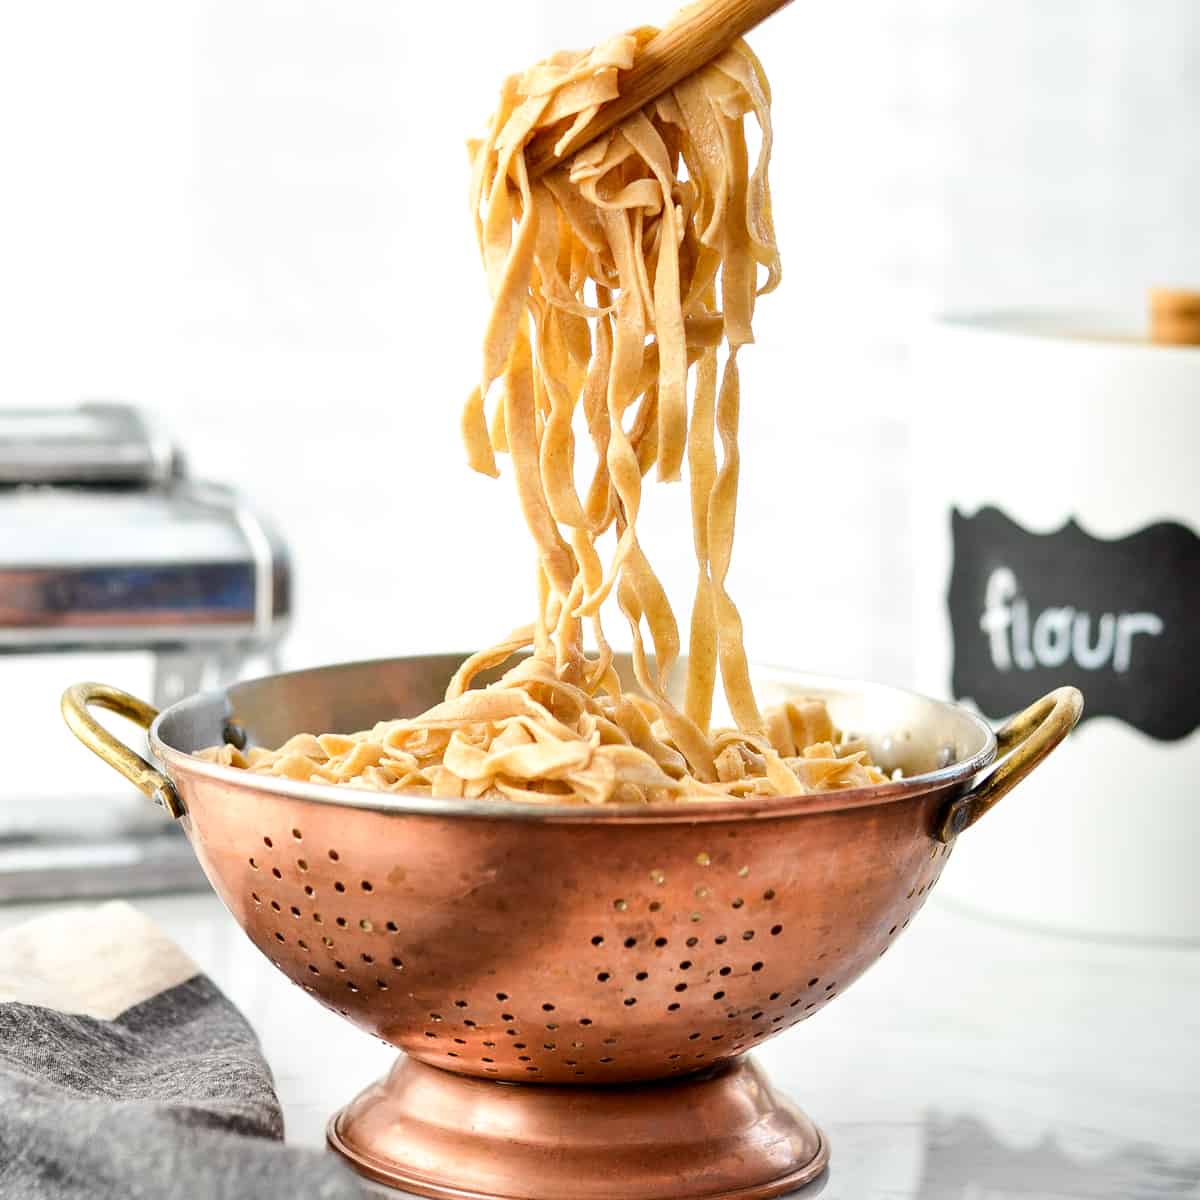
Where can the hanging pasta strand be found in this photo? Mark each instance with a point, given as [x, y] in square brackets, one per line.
[702, 469]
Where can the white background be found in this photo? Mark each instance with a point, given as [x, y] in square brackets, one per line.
[249, 215]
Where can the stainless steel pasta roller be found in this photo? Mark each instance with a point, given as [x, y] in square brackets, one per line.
[576, 990]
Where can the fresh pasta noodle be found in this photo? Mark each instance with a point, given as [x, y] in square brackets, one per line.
[617, 279]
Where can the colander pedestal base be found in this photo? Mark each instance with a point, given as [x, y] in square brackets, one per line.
[722, 1135]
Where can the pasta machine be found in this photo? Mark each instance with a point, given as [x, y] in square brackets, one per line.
[107, 545]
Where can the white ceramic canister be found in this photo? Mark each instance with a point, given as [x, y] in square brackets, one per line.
[1056, 522]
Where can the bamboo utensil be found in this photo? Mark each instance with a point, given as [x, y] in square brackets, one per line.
[697, 35]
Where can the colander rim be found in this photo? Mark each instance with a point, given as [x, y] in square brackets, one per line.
[180, 763]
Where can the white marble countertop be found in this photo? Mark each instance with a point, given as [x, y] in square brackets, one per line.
[976, 1062]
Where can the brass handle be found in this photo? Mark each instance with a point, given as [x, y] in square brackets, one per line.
[1022, 743]
[147, 779]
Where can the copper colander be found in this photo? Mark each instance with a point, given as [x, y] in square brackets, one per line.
[623, 959]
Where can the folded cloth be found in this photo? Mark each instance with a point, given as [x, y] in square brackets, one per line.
[125, 1073]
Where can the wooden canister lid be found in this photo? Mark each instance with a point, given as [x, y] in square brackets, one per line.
[1174, 317]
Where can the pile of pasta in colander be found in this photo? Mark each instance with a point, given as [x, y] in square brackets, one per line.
[617, 279]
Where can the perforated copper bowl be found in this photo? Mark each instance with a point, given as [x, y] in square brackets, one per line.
[577, 947]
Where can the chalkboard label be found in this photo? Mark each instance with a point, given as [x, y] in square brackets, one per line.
[1119, 619]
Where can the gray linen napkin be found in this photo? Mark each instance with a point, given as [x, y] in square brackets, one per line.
[125, 1073]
